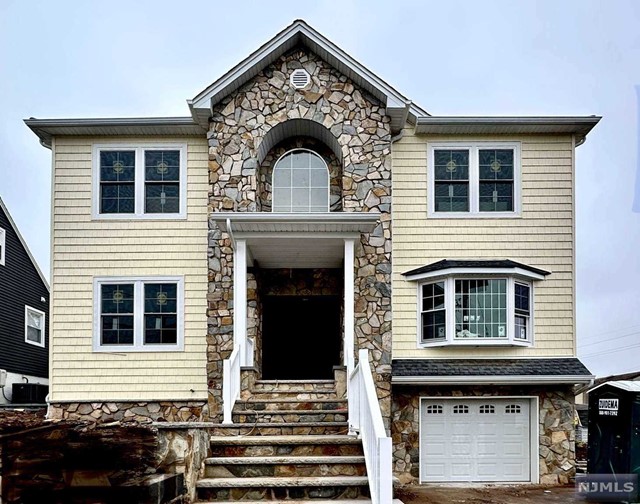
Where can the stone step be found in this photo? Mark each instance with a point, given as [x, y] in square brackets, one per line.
[279, 404]
[297, 393]
[361, 500]
[283, 385]
[293, 446]
[289, 416]
[283, 488]
[280, 428]
[284, 466]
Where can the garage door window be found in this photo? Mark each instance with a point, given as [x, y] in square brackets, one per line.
[512, 409]
[487, 408]
[434, 409]
[460, 409]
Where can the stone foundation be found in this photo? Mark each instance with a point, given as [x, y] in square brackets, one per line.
[557, 432]
[103, 412]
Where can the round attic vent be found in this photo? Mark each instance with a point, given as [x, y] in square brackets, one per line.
[300, 78]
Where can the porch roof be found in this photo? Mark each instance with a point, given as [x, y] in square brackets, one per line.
[564, 370]
[292, 224]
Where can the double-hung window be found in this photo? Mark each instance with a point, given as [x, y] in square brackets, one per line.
[34, 321]
[132, 181]
[138, 314]
[479, 179]
[475, 310]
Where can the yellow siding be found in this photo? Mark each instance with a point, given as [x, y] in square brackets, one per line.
[542, 237]
[84, 248]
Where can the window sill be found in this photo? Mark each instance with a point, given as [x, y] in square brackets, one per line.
[469, 215]
[140, 217]
[475, 343]
[136, 349]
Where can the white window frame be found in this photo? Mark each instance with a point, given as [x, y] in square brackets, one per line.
[28, 309]
[450, 321]
[3, 246]
[139, 183]
[273, 175]
[474, 180]
[138, 314]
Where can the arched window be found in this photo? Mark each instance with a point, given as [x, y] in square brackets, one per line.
[300, 183]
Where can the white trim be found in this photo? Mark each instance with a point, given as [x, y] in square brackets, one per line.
[492, 379]
[474, 212]
[3, 246]
[519, 272]
[449, 298]
[240, 298]
[291, 186]
[139, 182]
[534, 430]
[349, 305]
[138, 316]
[43, 335]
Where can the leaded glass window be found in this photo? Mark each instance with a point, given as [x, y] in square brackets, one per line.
[433, 312]
[522, 305]
[481, 308]
[160, 314]
[162, 181]
[117, 181]
[117, 312]
[496, 180]
[300, 183]
[451, 175]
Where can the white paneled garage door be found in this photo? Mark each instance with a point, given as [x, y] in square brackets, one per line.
[475, 440]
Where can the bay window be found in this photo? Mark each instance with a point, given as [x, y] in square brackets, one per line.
[469, 310]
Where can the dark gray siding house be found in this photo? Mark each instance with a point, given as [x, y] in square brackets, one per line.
[24, 307]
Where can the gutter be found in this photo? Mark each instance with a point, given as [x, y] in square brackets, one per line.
[502, 380]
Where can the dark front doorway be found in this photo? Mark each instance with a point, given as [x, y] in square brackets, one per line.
[300, 337]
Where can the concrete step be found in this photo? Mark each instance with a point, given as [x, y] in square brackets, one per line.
[286, 404]
[284, 466]
[283, 488]
[276, 428]
[289, 416]
[300, 394]
[284, 385]
[268, 446]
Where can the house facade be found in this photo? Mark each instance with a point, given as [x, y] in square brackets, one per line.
[24, 318]
[305, 212]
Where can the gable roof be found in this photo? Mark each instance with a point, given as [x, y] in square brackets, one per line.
[627, 385]
[399, 108]
[24, 243]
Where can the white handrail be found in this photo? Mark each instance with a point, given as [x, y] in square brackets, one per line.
[365, 417]
[231, 383]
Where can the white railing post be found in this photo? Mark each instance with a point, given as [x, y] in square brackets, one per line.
[240, 295]
[365, 417]
[349, 304]
[226, 392]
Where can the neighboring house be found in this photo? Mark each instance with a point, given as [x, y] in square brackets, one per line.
[241, 259]
[24, 311]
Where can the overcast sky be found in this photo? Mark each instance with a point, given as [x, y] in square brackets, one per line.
[145, 58]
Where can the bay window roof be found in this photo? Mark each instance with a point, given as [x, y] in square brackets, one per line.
[478, 266]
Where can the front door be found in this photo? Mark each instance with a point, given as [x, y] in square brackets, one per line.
[300, 337]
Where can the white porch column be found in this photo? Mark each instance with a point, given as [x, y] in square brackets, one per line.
[349, 305]
[240, 298]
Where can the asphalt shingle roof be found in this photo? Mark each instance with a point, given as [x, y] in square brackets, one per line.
[569, 366]
[448, 263]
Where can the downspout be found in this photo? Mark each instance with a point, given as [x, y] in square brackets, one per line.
[405, 115]
[230, 233]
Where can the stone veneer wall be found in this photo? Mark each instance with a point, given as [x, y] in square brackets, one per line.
[301, 282]
[254, 316]
[102, 412]
[557, 431]
[361, 128]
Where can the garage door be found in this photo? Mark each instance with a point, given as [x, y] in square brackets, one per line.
[475, 440]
